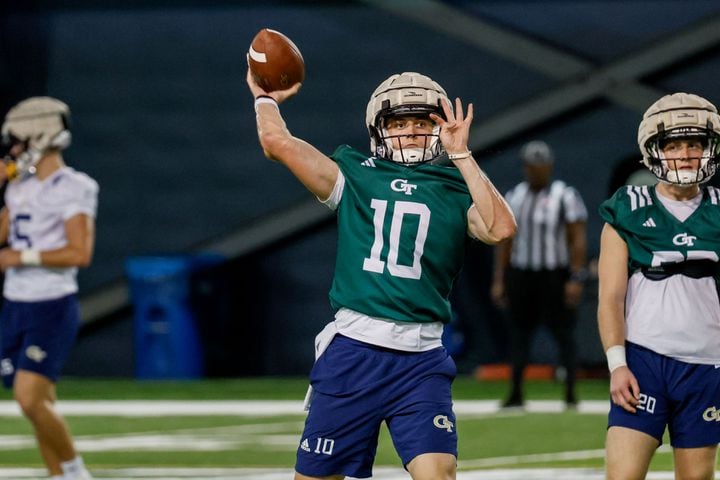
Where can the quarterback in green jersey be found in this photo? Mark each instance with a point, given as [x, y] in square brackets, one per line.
[658, 310]
[403, 221]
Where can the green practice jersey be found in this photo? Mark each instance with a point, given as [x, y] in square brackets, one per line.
[676, 315]
[402, 232]
[654, 236]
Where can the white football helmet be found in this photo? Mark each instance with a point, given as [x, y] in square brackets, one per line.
[405, 94]
[39, 124]
[680, 116]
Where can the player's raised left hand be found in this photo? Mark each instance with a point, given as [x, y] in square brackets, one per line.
[455, 127]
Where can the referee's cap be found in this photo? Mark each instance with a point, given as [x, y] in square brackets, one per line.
[537, 152]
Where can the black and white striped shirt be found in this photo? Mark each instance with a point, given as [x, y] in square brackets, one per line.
[541, 241]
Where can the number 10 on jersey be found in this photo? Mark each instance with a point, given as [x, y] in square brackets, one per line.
[374, 263]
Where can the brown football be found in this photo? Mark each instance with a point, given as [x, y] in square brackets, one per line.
[274, 60]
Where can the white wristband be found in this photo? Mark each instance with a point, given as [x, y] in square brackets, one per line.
[265, 100]
[615, 357]
[30, 257]
[460, 156]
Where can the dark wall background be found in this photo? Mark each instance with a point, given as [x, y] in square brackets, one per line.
[163, 120]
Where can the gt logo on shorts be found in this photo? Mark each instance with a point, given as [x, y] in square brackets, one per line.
[6, 367]
[442, 421]
[35, 353]
[711, 414]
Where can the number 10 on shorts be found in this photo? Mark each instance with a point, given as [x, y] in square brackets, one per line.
[324, 446]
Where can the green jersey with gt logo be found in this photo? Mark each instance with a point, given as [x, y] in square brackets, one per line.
[401, 237]
[670, 261]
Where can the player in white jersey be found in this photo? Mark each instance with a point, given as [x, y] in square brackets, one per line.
[48, 223]
[658, 312]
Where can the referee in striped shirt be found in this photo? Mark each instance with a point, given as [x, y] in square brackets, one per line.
[539, 274]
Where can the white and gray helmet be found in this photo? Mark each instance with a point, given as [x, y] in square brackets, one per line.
[404, 94]
[680, 116]
[39, 124]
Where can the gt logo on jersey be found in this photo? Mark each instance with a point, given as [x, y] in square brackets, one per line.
[442, 421]
[684, 239]
[402, 185]
[711, 414]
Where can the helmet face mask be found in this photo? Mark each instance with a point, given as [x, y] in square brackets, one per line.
[680, 117]
[405, 95]
[704, 163]
[424, 145]
[8, 145]
[31, 129]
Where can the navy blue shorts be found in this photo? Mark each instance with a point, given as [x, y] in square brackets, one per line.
[685, 397]
[357, 386]
[37, 336]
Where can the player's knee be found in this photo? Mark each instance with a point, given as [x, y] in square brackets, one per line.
[699, 472]
[433, 466]
[28, 405]
[31, 405]
[299, 476]
[626, 472]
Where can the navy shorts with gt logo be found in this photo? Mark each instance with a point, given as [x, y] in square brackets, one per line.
[37, 336]
[684, 397]
[357, 386]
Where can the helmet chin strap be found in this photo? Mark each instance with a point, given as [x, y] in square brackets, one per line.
[681, 178]
[410, 155]
[26, 162]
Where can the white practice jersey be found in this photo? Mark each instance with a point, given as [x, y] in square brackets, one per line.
[38, 211]
[677, 316]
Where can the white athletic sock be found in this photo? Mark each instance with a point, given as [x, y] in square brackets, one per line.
[75, 469]
[57, 477]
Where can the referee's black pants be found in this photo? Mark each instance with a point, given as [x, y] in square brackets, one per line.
[538, 298]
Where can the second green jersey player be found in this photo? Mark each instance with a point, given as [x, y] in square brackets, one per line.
[658, 309]
[661, 246]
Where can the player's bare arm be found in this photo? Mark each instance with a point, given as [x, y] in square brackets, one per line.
[4, 214]
[577, 246]
[624, 389]
[80, 235]
[490, 219]
[502, 262]
[314, 169]
[4, 225]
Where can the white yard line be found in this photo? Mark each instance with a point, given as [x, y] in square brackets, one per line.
[224, 437]
[284, 474]
[158, 408]
[261, 408]
[491, 462]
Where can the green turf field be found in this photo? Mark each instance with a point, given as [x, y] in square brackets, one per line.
[500, 439]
